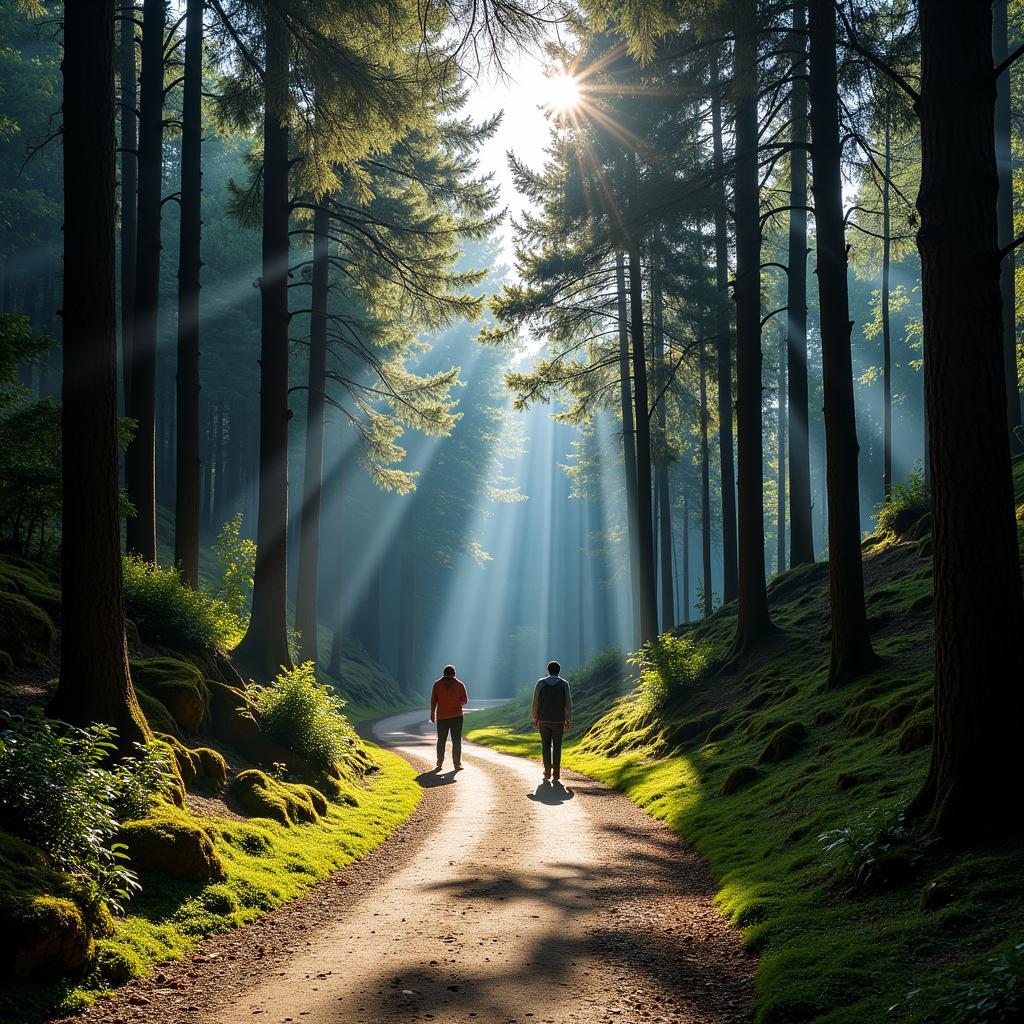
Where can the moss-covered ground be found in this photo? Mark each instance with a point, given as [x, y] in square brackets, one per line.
[265, 864]
[928, 941]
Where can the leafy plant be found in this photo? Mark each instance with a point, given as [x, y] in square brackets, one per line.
[164, 608]
[873, 851]
[236, 556]
[908, 500]
[668, 666]
[306, 716]
[60, 792]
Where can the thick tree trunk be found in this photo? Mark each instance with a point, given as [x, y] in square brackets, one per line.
[313, 461]
[95, 683]
[661, 473]
[628, 443]
[686, 557]
[647, 584]
[705, 488]
[851, 643]
[780, 555]
[974, 777]
[188, 465]
[1004, 213]
[801, 544]
[753, 622]
[264, 648]
[129, 189]
[886, 318]
[140, 459]
[724, 351]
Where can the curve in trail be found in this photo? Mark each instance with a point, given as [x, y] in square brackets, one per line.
[502, 900]
[526, 903]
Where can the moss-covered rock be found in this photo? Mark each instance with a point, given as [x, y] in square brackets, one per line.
[289, 803]
[33, 581]
[742, 775]
[158, 717]
[917, 733]
[784, 742]
[212, 767]
[178, 685]
[26, 631]
[174, 844]
[44, 930]
[6, 663]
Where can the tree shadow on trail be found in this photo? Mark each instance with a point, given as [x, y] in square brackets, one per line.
[552, 794]
[434, 777]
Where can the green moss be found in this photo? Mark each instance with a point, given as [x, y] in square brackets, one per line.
[784, 742]
[172, 842]
[176, 684]
[824, 956]
[6, 663]
[158, 717]
[32, 580]
[26, 631]
[285, 802]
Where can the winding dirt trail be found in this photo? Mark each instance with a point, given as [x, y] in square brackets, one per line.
[503, 901]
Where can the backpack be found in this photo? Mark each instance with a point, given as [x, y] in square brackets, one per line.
[551, 702]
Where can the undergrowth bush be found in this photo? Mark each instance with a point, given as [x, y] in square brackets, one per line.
[236, 556]
[306, 716]
[669, 666]
[873, 850]
[165, 609]
[60, 791]
[908, 500]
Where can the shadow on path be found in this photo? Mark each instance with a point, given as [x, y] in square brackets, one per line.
[434, 777]
[551, 793]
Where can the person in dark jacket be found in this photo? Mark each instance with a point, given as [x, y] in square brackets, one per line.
[446, 701]
[551, 714]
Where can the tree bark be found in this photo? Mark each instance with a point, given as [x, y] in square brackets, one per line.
[705, 487]
[851, 643]
[313, 461]
[628, 443]
[801, 544]
[753, 622]
[129, 190]
[95, 683]
[724, 351]
[140, 459]
[780, 555]
[264, 648]
[886, 318]
[661, 473]
[188, 466]
[646, 581]
[974, 776]
[1004, 213]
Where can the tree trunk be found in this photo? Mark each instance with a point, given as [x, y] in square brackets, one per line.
[407, 612]
[313, 461]
[661, 473]
[188, 466]
[705, 487]
[886, 318]
[264, 648]
[686, 557]
[724, 351]
[801, 544]
[129, 190]
[1004, 214]
[140, 459]
[753, 623]
[95, 683]
[645, 526]
[780, 557]
[851, 643]
[974, 776]
[628, 443]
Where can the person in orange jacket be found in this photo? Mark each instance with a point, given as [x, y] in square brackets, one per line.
[446, 701]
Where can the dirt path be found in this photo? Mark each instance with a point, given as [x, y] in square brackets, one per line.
[503, 901]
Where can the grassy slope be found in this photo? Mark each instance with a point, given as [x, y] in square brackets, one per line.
[826, 955]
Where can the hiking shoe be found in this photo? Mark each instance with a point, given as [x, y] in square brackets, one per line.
[458, 767]
[439, 765]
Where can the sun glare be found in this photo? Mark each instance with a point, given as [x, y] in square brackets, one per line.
[561, 92]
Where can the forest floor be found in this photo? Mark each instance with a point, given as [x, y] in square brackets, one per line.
[501, 900]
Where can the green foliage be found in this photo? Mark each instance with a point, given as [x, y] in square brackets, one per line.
[995, 998]
[59, 791]
[306, 716]
[908, 501]
[865, 848]
[669, 666]
[165, 609]
[236, 556]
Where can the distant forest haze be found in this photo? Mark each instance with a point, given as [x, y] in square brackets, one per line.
[386, 335]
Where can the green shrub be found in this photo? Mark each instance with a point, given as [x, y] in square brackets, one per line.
[908, 501]
[875, 851]
[669, 666]
[237, 557]
[165, 609]
[306, 717]
[59, 792]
